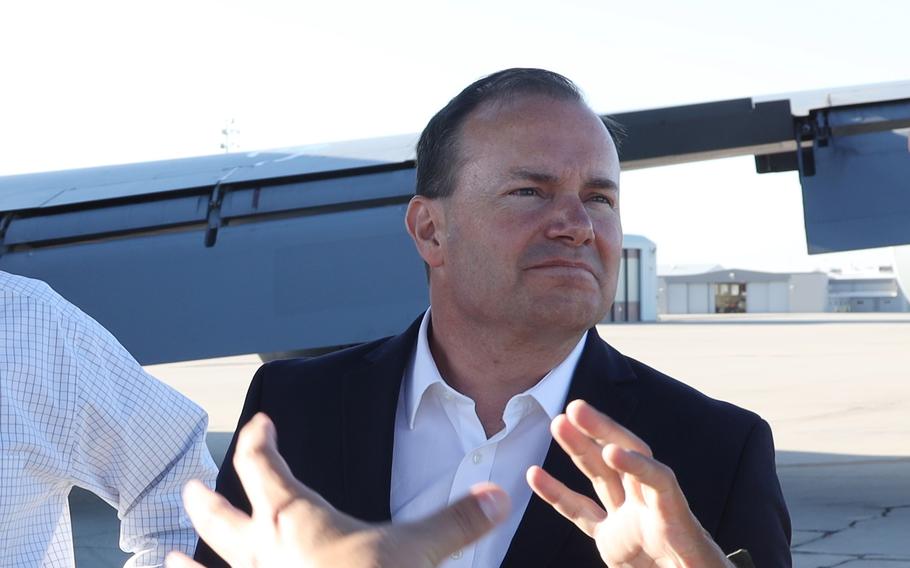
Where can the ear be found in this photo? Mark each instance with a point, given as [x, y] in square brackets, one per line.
[425, 222]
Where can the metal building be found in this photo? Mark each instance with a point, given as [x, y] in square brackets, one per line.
[870, 291]
[636, 290]
[742, 291]
[718, 290]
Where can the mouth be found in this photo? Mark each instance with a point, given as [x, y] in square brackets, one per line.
[567, 267]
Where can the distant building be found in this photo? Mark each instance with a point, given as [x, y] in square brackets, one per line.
[636, 290]
[869, 291]
[720, 290]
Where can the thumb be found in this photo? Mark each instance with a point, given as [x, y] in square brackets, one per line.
[461, 523]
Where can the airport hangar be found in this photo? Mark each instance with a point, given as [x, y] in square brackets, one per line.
[305, 248]
[684, 290]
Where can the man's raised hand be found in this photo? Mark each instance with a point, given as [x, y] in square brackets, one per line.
[292, 525]
[643, 519]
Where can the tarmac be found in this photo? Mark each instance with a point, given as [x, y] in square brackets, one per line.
[834, 387]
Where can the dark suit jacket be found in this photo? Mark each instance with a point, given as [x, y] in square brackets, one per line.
[335, 420]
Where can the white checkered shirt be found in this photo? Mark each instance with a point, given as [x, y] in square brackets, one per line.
[77, 410]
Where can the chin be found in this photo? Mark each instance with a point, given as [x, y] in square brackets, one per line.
[568, 313]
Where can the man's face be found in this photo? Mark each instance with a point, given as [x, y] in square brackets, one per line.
[532, 234]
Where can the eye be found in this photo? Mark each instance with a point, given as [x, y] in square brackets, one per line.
[602, 198]
[525, 192]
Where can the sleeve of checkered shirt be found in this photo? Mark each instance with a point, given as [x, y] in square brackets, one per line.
[134, 442]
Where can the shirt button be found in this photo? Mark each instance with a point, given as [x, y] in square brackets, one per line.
[477, 457]
[456, 555]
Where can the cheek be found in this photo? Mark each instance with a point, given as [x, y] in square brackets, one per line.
[473, 251]
[609, 241]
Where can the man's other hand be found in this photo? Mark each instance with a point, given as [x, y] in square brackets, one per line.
[292, 525]
[643, 518]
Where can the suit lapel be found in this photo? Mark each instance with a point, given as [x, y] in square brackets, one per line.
[368, 426]
[600, 378]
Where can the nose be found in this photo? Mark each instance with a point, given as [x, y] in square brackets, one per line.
[571, 223]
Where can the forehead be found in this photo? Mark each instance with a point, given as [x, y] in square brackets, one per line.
[538, 132]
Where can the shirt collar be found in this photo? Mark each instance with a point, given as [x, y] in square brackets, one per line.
[423, 374]
[550, 393]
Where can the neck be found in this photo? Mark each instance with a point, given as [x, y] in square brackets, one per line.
[491, 364]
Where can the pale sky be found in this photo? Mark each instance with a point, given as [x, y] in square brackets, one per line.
[103, 82]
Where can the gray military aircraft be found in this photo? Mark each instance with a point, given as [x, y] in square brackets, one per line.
[305, 248]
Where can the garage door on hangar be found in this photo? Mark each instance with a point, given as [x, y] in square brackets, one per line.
[764, 297]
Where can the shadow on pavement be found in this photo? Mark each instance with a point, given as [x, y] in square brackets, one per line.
[847, 510]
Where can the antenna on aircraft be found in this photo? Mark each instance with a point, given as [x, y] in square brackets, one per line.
[229, 134]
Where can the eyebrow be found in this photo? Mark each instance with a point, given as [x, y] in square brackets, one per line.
[544, 177]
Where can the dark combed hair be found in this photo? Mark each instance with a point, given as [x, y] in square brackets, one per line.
[437, 148]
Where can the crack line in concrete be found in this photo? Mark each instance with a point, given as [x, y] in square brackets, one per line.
[845, 463]
[848, 558]
[864, 557]
[886, 511]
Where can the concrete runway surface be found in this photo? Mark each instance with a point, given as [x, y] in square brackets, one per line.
[835, 388]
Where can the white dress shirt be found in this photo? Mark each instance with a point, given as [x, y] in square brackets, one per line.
[77, 410]
[441, 449]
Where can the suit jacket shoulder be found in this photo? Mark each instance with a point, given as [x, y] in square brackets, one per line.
[302, 382]
[309, 400]
[723, 457]
[672, 413]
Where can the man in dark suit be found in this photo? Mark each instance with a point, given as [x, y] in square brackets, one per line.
[517, 218]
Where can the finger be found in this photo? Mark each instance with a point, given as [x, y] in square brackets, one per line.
[266, 477]
[180, 560]
[648, 472]
[218, 523]
[632, 487]
[459, 524]
[578, 508]
[602, 428]
[587, 456]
